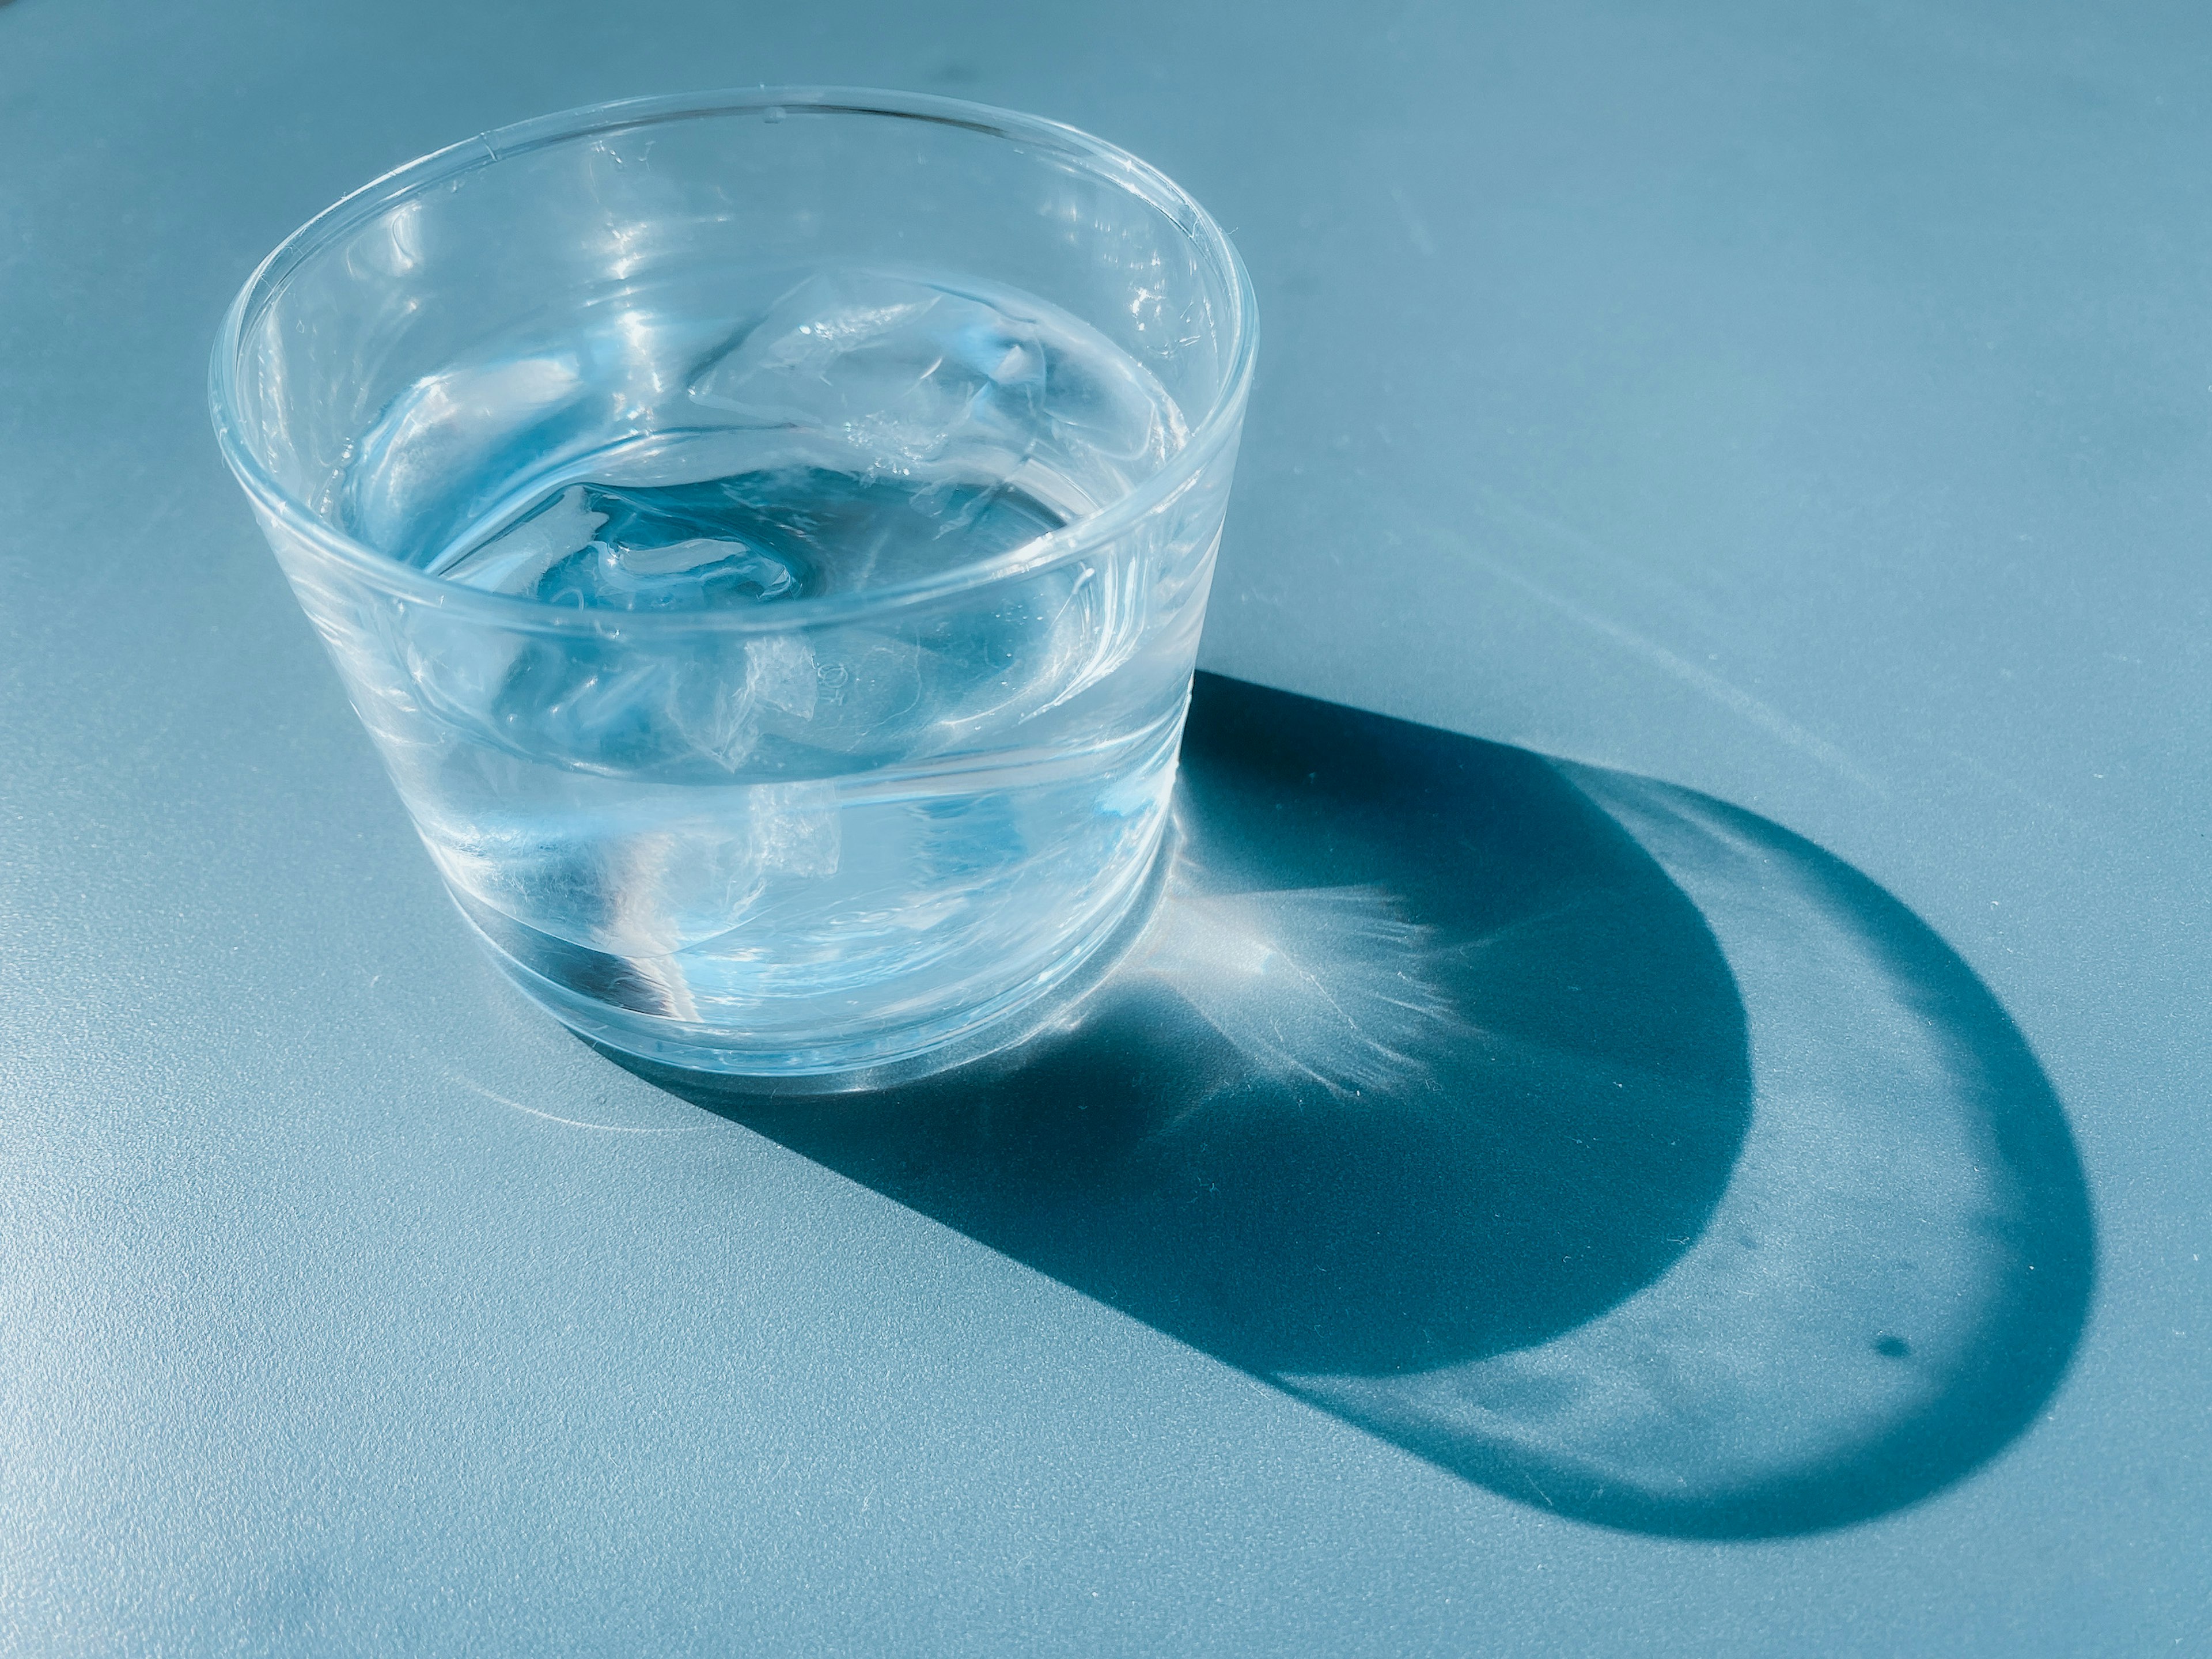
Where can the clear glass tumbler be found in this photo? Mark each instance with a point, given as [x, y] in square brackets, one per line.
[766, 534]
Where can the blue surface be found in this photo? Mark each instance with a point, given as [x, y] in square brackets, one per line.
[1809, 413]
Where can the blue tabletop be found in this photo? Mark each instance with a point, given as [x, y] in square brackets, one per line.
[1767, 449]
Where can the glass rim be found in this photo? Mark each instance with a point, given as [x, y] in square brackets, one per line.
[1208, 434]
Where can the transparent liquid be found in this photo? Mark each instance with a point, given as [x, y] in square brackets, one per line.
[819, 846]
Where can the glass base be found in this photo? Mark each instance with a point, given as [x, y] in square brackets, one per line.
[880, 1060]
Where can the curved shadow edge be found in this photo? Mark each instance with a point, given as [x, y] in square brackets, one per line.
[1886, 1296]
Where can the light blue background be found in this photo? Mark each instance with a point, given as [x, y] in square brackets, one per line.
[1809, 407]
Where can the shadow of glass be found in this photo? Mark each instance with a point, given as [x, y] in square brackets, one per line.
[1601, 1143]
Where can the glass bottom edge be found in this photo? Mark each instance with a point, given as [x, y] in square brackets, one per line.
[885, 1060]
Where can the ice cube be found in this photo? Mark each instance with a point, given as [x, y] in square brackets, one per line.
[889, 376]
[598, 546]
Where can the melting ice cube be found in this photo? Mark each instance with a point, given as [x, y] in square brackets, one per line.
[671, 549]
[901, 376]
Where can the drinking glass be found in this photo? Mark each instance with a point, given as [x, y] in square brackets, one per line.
[766, 535]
